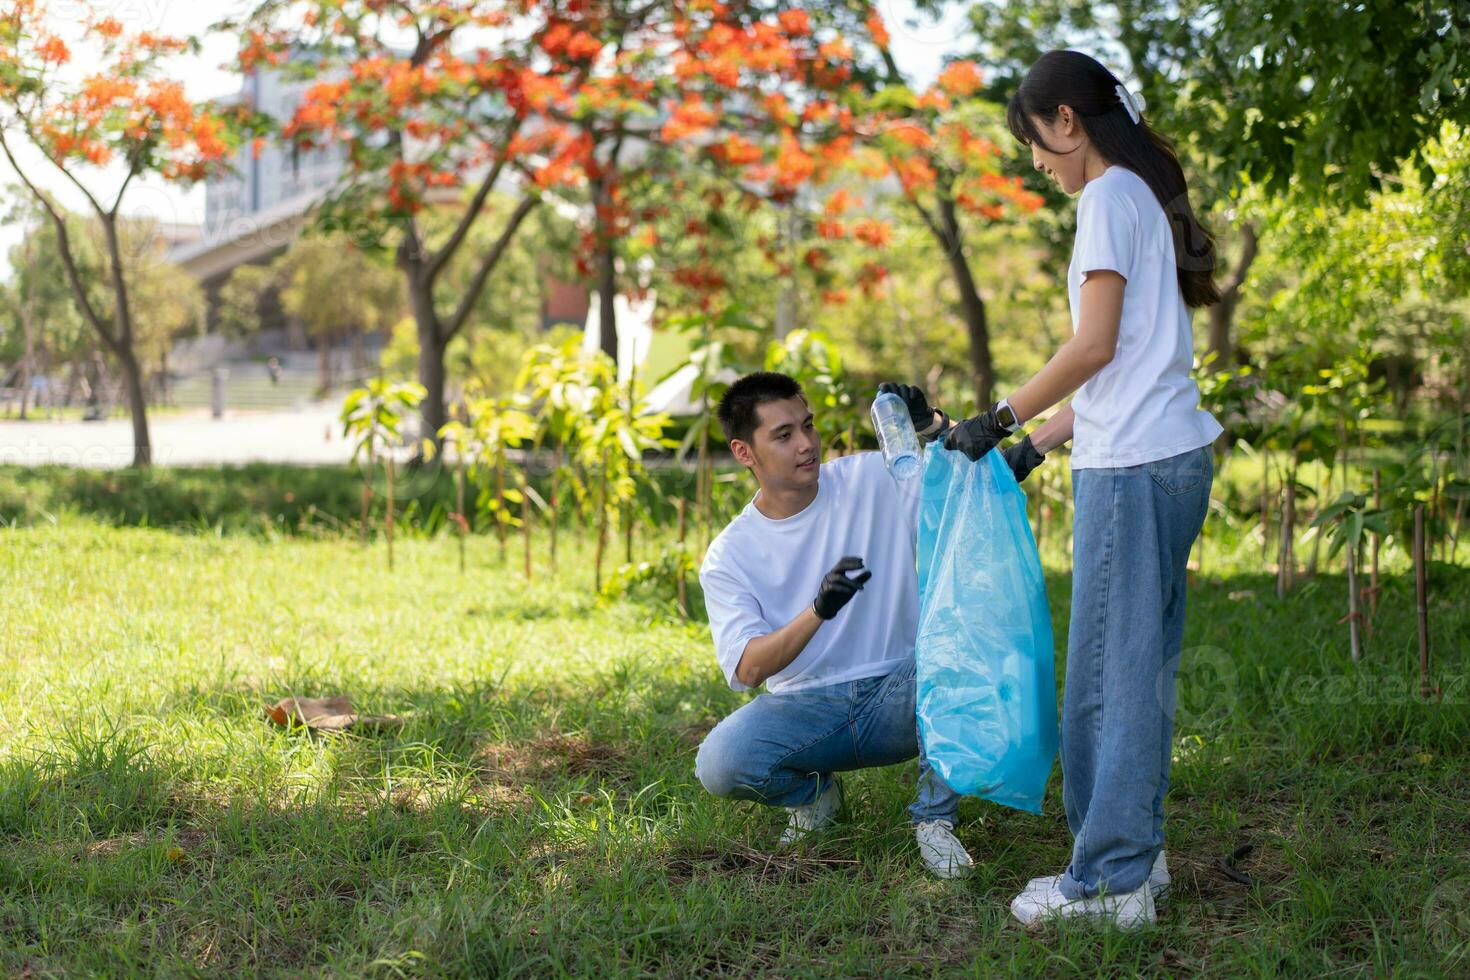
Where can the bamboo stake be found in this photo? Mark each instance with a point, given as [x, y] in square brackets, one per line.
[1421, 595]
[682, 589]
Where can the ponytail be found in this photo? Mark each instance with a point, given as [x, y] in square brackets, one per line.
[1073, 79]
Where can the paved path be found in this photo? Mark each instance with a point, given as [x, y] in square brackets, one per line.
[308, 435]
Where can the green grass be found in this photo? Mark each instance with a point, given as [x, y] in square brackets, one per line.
[537, 813]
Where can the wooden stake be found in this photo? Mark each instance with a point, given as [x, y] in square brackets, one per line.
[552, 506]
[388, 517]
[464, 524]
[601, 524]
[1265, 505]
[1354, 638]
[1286, 561]
[526, 522]
[1376, 544]
[500, 514]
[628, 533]
[683, 529]
[1421, 595]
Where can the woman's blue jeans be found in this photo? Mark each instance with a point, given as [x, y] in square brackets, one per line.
[1134, 527]
[781, 749]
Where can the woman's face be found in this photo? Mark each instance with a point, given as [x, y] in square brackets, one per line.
[1065, 161]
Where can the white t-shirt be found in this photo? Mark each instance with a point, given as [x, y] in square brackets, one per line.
[760, 573]
[1143, 405]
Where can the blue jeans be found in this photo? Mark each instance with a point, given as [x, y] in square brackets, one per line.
[1134, 528]
[782, 749]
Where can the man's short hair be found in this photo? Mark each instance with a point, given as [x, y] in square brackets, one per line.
[737, 411]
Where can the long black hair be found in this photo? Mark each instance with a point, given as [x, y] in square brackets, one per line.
[1073, 79]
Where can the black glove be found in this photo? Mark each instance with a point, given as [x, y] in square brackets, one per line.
[837, 589]
[977, 436]
[920, 412]
[1022, 457]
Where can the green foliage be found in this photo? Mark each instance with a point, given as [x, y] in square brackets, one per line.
[372, 416]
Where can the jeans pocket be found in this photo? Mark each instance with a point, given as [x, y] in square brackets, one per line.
[1182, 473]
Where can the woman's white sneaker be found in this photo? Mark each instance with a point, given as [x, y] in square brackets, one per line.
[1129, 910]
[943, 854]
[1158, 880]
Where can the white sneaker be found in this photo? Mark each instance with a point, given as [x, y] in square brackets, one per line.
[1158, 880]
[813, 816]
[1128, 910]
[943, 854]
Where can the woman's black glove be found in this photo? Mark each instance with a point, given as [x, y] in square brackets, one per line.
[977, 436]
[1022, 457]
[837, 589]
[920, 412]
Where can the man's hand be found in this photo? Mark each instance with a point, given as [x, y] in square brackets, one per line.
[977, 436]
[1022, 457]
[920, 412]
[837, 589]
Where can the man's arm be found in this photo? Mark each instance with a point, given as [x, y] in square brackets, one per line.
[773, 653]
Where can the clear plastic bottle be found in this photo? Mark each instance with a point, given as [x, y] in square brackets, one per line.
[896, 435]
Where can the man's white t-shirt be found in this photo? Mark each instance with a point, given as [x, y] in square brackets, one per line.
[760, 573]
[1143, 406]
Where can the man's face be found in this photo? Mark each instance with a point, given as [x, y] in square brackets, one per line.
[785, 451]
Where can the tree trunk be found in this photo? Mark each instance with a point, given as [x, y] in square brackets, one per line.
[137, 406]
[972, 307]
[432, 377]
[1222, 314]
[323, 364]
[607, 292]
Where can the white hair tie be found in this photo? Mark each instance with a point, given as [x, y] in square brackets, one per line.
[1133, 103]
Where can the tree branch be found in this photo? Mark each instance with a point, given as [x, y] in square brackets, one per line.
[487, 266]
[439, 259]
[63, 242]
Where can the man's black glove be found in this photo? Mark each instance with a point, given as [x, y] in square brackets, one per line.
[920, 412]
[977, 436]
[837, 589]
[1022, 457]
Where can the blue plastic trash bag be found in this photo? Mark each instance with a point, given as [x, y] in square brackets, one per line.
[986, 678]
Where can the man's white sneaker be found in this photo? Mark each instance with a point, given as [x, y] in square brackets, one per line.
[1129, 910]
[1158, 880]
[813, 816]
[943, 854]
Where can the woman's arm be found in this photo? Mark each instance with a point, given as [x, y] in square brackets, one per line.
[1054, 431]
[1088, 352]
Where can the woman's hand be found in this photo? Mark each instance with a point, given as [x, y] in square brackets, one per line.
[977, 436]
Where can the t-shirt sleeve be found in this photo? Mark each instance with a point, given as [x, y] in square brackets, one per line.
[735, 618]
[1107, 233]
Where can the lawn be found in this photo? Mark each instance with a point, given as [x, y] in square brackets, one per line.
[537, 814]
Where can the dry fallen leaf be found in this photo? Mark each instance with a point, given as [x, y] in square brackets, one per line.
[333, 714]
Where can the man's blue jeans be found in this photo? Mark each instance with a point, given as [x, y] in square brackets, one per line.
[782, 749]
[1134, 528]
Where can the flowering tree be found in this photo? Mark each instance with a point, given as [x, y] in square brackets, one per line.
[427, 111]
[121, 109]
[745, 94]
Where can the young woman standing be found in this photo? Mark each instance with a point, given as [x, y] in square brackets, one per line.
[1142, 470]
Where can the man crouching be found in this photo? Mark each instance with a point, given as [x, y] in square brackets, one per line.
[812, 591]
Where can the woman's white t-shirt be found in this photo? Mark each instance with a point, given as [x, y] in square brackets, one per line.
[1143, 406]
[760, 573]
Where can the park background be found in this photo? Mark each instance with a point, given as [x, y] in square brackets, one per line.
[369, 350]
